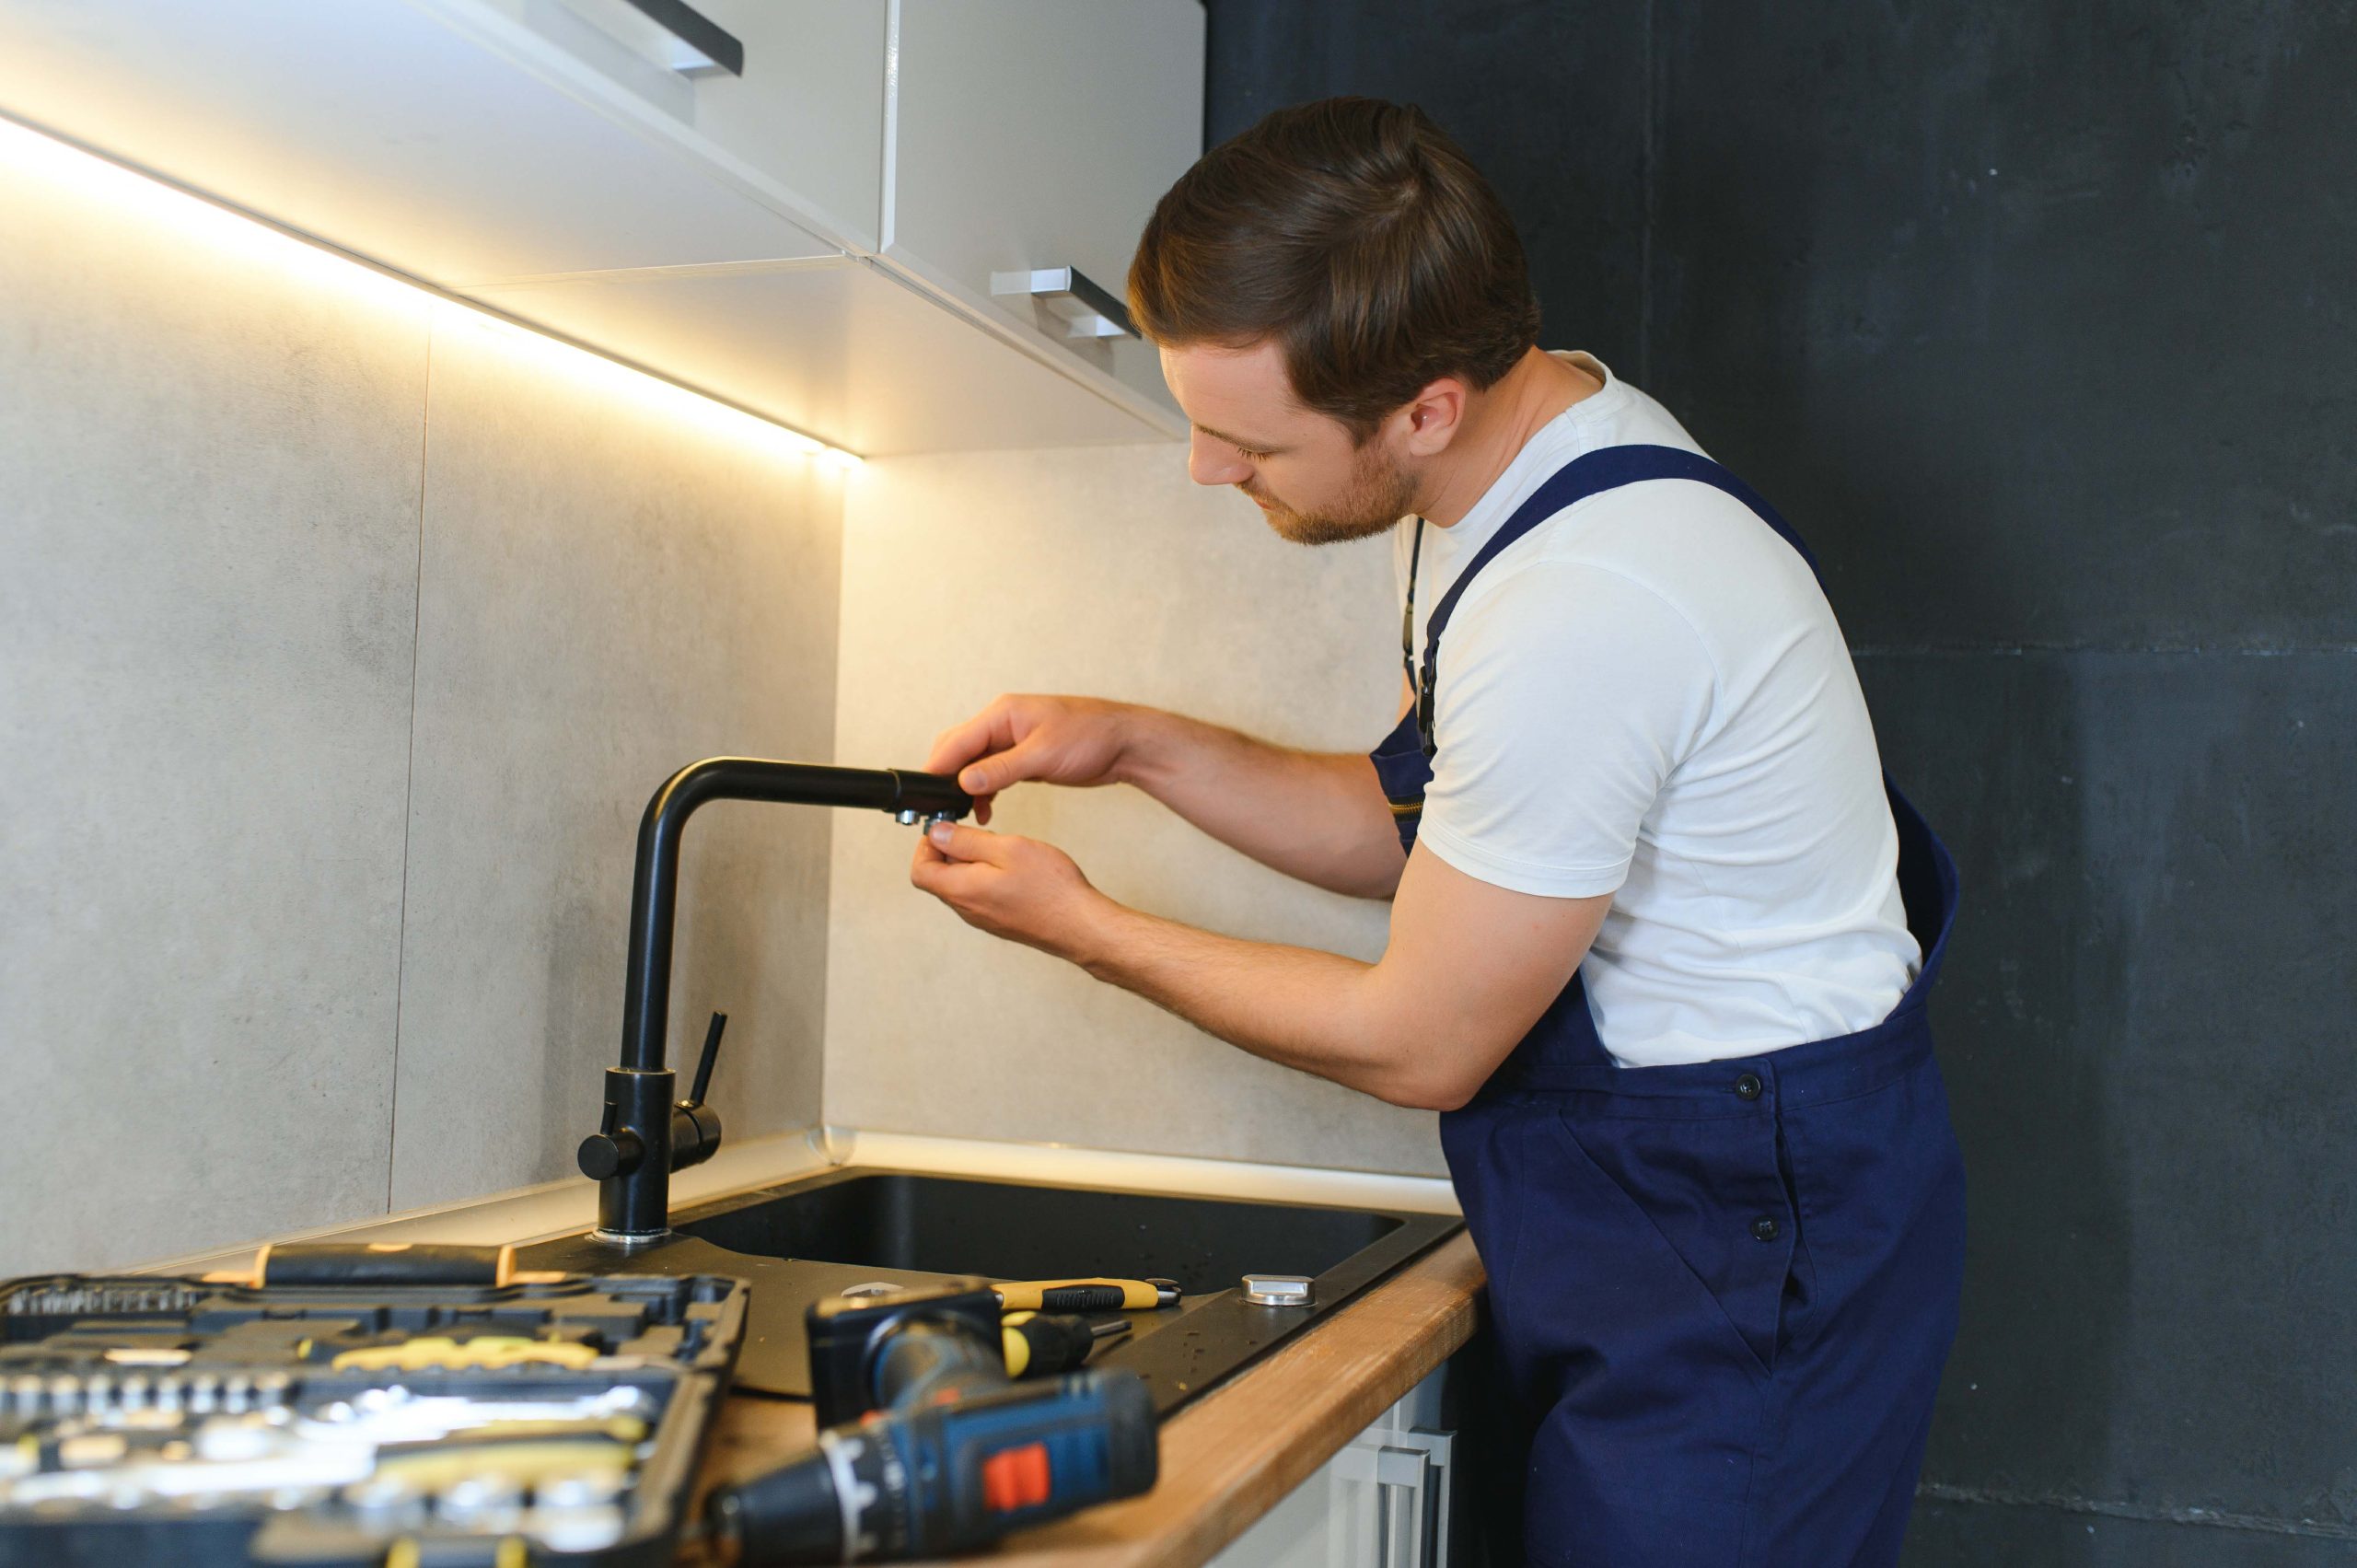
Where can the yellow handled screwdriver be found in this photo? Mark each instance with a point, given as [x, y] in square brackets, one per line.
[1040, 1346]
[1087, 1295]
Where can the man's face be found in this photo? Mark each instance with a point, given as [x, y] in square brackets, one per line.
[1312, 483]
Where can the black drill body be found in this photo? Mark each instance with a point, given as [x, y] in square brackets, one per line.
[935, 1450]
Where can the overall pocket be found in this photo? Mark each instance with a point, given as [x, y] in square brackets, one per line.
[1709, 1194]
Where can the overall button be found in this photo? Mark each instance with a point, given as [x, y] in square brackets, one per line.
[1765, 1228]
[1749, 1086]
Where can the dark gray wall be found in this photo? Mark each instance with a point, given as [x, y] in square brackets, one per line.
[2041, 321]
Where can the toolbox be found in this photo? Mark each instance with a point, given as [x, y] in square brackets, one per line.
[425, 1408]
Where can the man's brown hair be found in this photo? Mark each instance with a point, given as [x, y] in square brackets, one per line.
[1357, 236]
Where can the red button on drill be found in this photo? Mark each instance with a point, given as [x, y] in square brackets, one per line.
[1015, 1478]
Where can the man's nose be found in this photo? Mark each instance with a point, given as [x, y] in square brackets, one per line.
[1214, 462]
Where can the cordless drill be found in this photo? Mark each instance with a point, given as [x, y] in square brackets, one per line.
[926, 1447]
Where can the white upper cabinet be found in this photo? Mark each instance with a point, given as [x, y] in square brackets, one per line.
[797, 206]
[379, 127]
[1025, 135]
[809, 109]
[796, 118]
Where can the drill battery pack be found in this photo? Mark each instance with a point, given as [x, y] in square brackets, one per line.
[358, 1418]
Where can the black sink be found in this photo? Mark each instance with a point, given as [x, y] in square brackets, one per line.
[938, 1225]
[805, 1239]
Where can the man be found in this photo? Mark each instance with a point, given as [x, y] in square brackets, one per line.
[1659, 938]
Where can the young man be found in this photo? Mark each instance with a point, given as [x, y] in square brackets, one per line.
[1659, 938]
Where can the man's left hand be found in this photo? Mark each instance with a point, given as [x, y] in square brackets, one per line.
[1019, 888]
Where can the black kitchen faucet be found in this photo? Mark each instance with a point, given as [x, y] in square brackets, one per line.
[644, 1134]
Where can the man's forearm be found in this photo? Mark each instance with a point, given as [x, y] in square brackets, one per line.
[1319, 1012]
[1469, 969]
[1317, 816]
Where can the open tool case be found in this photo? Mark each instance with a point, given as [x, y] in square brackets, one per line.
[163, 1421]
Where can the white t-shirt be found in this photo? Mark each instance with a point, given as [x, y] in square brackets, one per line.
[1647, 695]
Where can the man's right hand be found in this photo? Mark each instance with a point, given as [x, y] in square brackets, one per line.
[1079, 741]
[1317, 816]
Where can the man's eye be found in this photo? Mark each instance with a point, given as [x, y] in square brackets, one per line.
[1249, 454]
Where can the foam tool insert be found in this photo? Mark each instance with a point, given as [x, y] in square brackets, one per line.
[447, 1416]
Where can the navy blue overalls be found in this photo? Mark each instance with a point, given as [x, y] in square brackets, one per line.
[1723, 1292]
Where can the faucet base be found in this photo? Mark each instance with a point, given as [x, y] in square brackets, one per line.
[634, 1193]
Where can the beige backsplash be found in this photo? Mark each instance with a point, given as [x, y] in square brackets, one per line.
[1099, 570]
[342, 636]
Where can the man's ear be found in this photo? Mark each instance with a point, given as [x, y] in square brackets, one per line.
[1432, 420]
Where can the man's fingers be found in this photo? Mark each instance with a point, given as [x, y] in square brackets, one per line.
[934, 876]
[993, 730]
[953, 845]
[1024, 760]
[934, 873]
[957, 843]
[957, 745]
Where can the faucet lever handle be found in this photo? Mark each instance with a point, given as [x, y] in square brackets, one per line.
[695, 1126]
[711, 1054]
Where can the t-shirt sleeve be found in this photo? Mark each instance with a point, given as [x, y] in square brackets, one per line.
[1567, 694]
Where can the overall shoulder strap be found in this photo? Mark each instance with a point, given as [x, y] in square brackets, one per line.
[1607, 469]
[1927, 875]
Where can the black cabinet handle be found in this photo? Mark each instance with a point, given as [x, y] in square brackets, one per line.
[698, 31]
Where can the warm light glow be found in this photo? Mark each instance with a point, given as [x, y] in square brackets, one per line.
[188, 224]
[186, 220]
[565, 363]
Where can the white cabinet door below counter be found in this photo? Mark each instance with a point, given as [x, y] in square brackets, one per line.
[1383, 1502]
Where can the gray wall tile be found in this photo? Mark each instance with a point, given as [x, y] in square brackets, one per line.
[1102, 570]
[1949, 1534]
[617, 579]
[209, 480]
[2144, 1027]
[2030, 316]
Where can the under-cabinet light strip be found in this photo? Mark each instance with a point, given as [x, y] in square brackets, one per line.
[38, 152]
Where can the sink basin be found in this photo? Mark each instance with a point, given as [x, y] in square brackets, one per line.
[1006, 1230]
[805, 1239]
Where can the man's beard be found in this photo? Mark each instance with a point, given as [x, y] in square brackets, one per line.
[1380, 495]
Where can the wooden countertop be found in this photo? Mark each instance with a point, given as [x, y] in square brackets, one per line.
[1227, 1457]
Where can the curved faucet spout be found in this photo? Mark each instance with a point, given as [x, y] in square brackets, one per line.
[646, 1002]
[632, 1154]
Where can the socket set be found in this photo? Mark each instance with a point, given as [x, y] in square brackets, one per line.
[418, 1424]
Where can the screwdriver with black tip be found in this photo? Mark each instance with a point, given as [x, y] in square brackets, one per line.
[1041, 1345]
